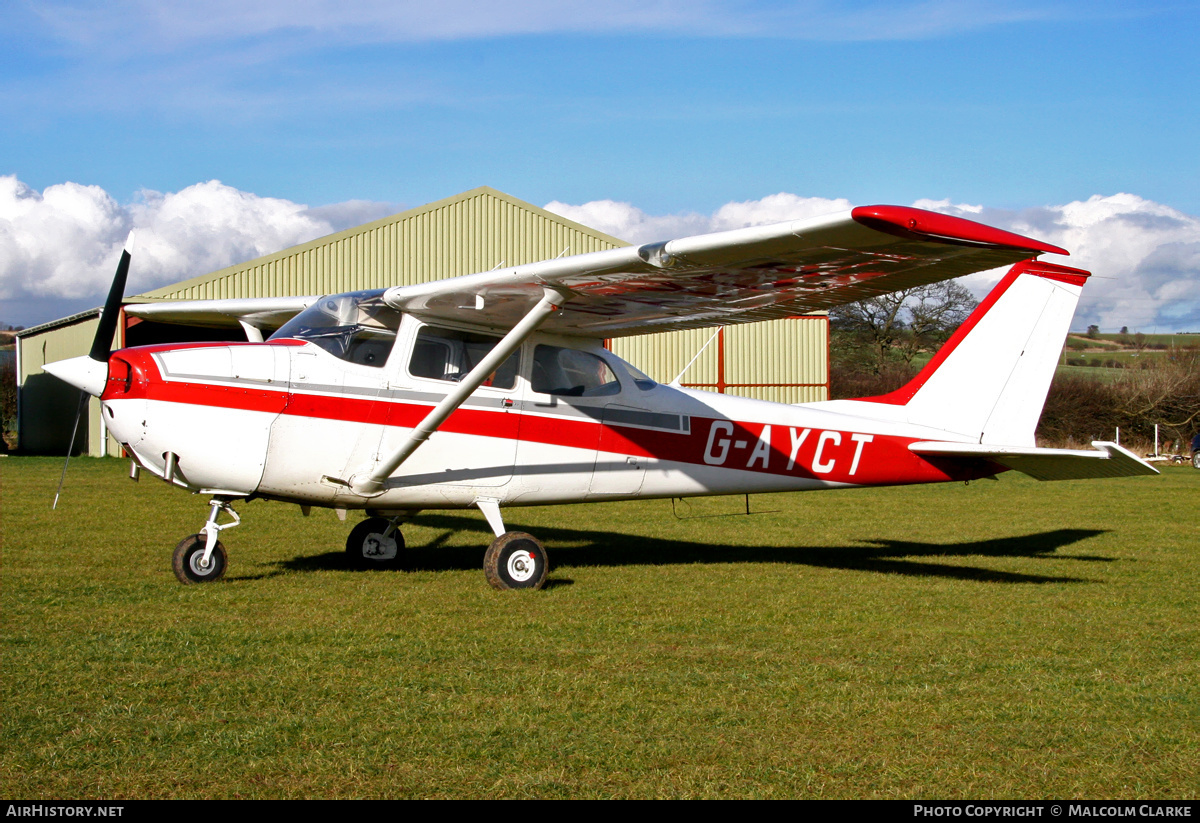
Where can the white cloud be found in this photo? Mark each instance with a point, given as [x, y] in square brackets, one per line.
[53, 242]
[164, 26]
[630, 223]
[1145, 257]
[64, 242]
[947, 206]
[774, 208]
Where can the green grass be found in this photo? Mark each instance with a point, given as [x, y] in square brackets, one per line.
[999, 640]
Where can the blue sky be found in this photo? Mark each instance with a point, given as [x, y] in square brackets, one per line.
[670, 107]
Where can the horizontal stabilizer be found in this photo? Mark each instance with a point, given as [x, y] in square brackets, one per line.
[1106, 460]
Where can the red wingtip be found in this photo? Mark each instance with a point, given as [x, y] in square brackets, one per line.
[1053, 271]
[918, 224]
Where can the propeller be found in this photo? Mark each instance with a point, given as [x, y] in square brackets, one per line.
[89, 373]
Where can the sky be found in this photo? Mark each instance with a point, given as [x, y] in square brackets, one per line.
[225, 130]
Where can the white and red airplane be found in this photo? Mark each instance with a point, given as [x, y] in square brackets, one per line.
[495, 389]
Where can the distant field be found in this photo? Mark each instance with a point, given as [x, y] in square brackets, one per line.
[1128, 359]
[1004, 639]
[1105, 349]
[1155, 339]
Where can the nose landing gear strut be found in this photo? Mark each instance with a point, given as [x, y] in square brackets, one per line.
[200, 558]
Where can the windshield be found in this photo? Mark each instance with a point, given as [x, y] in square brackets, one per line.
[357, 327]
[640, 379]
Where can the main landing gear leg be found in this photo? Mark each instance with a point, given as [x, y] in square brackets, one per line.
[514, 560]
[200, 558]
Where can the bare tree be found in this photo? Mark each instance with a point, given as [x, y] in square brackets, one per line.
[904, 323]
[1165, 392]
[875, 323]
[934, 312]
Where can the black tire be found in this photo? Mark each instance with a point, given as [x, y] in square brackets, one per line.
[1196, 460]
[367, 549]
[187, 557]
[516, 560]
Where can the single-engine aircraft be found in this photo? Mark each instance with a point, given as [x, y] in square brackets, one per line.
[495, 389]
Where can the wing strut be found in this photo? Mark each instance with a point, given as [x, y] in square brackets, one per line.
[369, 485]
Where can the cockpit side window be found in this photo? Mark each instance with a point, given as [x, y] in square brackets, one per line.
[449, 354]
[572, 373]
[357, 327]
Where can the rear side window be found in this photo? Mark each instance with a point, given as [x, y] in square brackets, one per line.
[572, 373]
[448, 354]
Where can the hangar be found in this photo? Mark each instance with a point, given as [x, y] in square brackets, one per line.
[478, 230]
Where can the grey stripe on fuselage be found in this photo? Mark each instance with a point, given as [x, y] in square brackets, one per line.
[552, 405]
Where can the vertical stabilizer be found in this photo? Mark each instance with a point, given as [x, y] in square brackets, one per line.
[989, 381]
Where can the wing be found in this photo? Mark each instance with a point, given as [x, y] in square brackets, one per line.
[268, 313]
[740, 276]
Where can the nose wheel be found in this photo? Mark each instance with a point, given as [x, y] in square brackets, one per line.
[516, 560]
[200, 558]
[190, 564]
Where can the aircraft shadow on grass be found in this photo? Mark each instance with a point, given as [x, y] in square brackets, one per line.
[575, 548]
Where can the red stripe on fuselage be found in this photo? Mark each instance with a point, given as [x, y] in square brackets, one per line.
[785, 450]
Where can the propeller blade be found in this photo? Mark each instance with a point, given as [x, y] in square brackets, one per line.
[107, 329]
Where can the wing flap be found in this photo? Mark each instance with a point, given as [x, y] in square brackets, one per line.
[1105, 460]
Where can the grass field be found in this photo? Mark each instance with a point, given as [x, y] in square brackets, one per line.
[1004, 639]
[1103, 375]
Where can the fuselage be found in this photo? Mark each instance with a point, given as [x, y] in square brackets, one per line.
[563, 421]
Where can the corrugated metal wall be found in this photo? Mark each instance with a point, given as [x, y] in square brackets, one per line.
[46, 413]
[781, 360]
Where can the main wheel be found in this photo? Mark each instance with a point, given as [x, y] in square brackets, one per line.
[368, 548]
[188, 561]
[1196, 460]
[516, 560]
